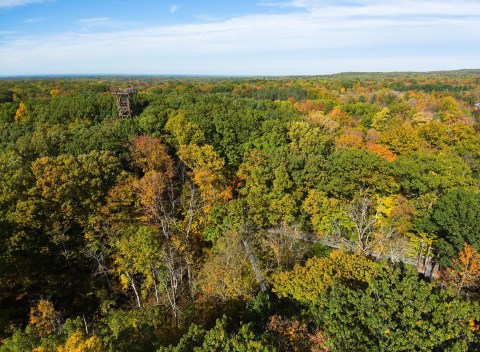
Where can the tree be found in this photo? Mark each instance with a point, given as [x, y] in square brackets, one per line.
[395, 312]
[327, 214]
[138, 255]
[382, 150]
[206, 171]
[60, 185]
[422, 173]
[77, 342]
[381, 119]
[155, 195]
[355, 171]
[289, 335]
[306, 283]
[21, 113]
[149, 154]
[464, 271]
[227, 273]
[401, 139]
[220, 339]
[349, 141]
[155, 189]
[456, 217]
[44, 318]
[183, 131]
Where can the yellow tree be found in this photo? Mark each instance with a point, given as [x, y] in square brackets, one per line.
[21, 113]
[306, 282]
[44, 317]
[227, 273]
[79, 343]
[206, 171]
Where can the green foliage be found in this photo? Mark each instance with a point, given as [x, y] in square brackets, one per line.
[396, 312]
[20, 341]
[372, 174]
[421, 173]
[67, 108]
[135, 330]
[7, 113]
[456, 216]
[220, 339]
[364, 111]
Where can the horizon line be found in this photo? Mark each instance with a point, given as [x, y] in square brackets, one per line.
[181, 75]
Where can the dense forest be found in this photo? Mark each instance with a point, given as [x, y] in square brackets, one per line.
[241, 214]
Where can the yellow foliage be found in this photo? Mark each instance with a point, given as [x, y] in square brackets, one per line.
[78, 343]
[55, 92]
[380, 120]
[21, 113]
[396, 212]
[305, 283]
[323, 211]
[348, 141]
[207, 167]
[319, 119]
[124, 281]
[44, 317]
[341, 117]
[227, 274]
[42, 349]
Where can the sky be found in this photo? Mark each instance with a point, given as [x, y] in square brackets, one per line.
[237, 38]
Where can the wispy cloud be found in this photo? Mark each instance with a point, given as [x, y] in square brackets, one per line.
[275, 4]
[33, 20]
[94, 20]
[385, 8]
[96, 23]
[16, 3]
[174, 8]
[7, 32]
[324, 37]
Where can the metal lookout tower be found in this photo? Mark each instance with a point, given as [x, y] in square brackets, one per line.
[123, 97]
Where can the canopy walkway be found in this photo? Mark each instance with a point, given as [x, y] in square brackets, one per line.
[424, 263]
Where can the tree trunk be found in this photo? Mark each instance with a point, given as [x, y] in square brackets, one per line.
[137, 297]
[253, 262]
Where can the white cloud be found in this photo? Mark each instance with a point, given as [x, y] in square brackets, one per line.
[89, 24]
[275, 4]
[390, 8]
[94, 20]
[173, 8]
[16, 3]
[33, 20]
[321, 39]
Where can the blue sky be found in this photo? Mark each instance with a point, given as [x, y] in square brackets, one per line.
[263, 37]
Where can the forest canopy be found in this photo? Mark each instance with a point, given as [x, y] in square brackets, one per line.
[249, 214]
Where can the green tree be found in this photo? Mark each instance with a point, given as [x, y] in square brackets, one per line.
[220, 339]
[396, 312]
[421, 173]
[457, 219]
[358, 171]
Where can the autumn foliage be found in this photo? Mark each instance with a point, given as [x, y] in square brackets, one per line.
[240, 214]
[464, 271]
